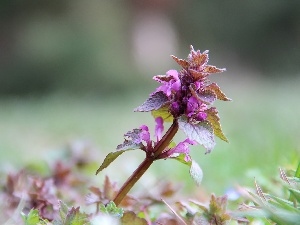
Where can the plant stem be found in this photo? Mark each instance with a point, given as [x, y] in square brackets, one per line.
[132, 180]
[166, 139]
[150, 158]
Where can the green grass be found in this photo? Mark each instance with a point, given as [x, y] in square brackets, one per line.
[261, 124]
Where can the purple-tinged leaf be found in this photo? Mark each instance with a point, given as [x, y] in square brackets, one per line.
[216, 89]
[129, 145]
[162, 78]
[196, 172]
[134, 135]
[133, 139]
[183, 63]
[196, 58]
[154, 102]
[213, 69]
[214, 119]
[206, 96]
[201, 132]
[198, 75]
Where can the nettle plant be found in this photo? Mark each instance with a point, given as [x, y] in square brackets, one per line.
[185, 99]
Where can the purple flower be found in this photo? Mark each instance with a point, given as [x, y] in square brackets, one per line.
[201, 116]
[192, 106]
[170, 82]
[159, 128]
[145, 135]
[195, 109]
[189, 92]
[182, 147]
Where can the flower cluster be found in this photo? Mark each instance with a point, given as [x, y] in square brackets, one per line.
[187, 96]
[189, 92]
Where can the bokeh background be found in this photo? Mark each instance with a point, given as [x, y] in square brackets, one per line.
[72, 72]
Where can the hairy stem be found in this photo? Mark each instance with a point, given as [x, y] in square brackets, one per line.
[138, 173]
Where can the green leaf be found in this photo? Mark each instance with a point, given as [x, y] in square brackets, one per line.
[109, 159]
[112, 209]
[63, 210]
[215, 213]
[180, 158]
[164, 113]
[130, 218]
[154, 102]
[213, 118]
[75, 217]
[282, 203]
[196, 172]
[201, 132]
[71, 216]
[297, 174]
[32, 218]
[295, 193]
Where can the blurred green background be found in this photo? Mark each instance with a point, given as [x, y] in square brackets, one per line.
[72, 71]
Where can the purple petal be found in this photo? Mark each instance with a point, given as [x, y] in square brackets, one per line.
[144, 127]
[159, 127]
[176, 85]
[145, 135]
[173, 73]
[198, 85]
[170, 84]
[164, 88]
[183, 147]
[192, 106]
[201, 116]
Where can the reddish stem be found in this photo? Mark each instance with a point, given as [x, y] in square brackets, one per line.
[138, 173]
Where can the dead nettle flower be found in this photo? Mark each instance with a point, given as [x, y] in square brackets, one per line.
[187, 96]
[184, 98]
